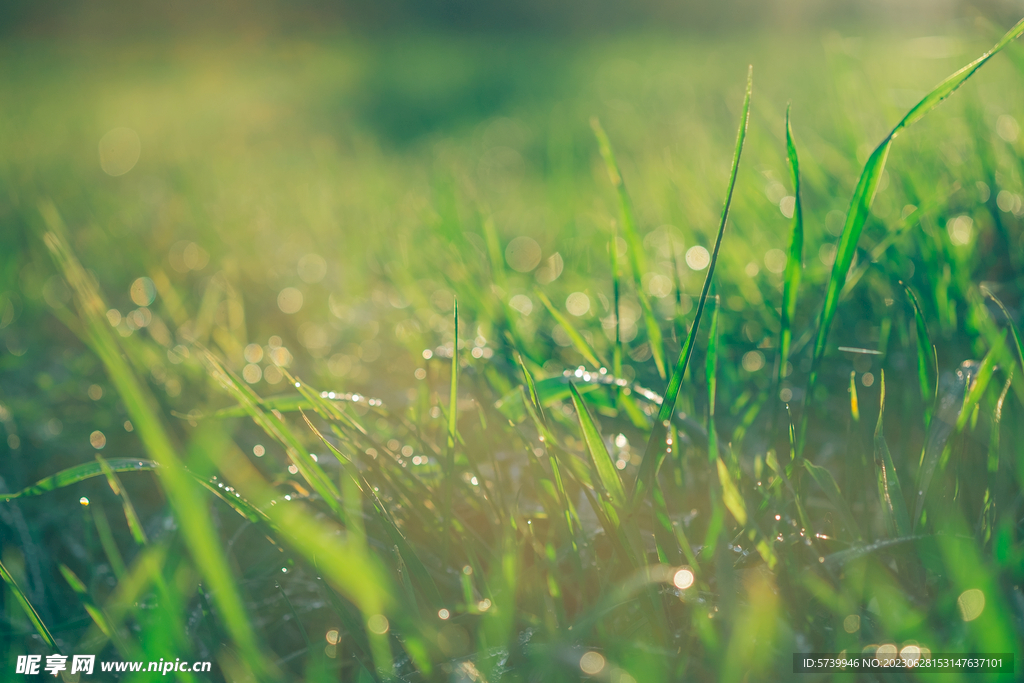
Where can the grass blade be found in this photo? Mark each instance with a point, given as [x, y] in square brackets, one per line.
[926, 355]
[453, 425]
[795, 262]
[27, 607]
[134, 525]
[655, 450]
[635, 246]
[599, 455]
[854, 400]
[94, 610]
[99, 518]
[613, 250]
[894, 507]
[867, 186]
[734, 502]
[977, 389]
[711, 370]
[73, 475]
[577, 339]
[453, 398]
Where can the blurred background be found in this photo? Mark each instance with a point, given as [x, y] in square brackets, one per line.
[574, 17]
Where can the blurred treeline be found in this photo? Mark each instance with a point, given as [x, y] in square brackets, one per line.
[88, 17]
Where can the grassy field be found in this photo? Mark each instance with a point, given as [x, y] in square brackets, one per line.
[433, 358]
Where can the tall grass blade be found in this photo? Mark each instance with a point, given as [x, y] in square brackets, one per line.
[1009, 320]
[196, 526]
[453, 397]
[635, 246]
[731, 496]
[854, 400]
[654, 453]
[453, 425]
[711, 371]
[867, 186]
[894, 507]
[28, 609]
[795, 262]
[613, 249]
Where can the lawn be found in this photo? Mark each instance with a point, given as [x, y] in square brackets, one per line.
[433, 357]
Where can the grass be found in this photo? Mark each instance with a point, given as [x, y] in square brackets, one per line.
[430, 470]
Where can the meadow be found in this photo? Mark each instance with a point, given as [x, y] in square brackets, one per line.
[452, 358]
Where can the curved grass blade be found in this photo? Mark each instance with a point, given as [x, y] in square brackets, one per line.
[894, 507]
[73, 475]
[577, 339]
[795, 263]
[635, 246]
[599, 455]
[654, 453]
[997, 417]
[867, 186]
[27, 607]
[79, 473]
[99, 518]
[1009, 319]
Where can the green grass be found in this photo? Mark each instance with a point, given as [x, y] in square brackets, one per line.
[381, 401]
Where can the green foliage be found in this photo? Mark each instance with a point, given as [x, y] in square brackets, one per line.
[413, 478]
